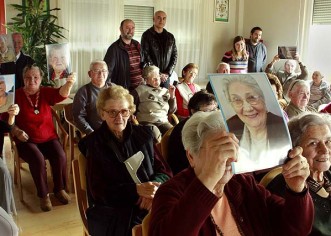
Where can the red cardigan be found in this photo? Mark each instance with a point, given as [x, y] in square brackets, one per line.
[39, 127]
[182, 206]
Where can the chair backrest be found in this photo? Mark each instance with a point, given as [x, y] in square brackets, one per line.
[79, 168]
[164, 143]
[268, 177]
[68, 116]
[63, 134]
[143, 228]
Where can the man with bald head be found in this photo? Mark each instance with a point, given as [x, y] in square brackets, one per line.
[159, 48]
[123, 58]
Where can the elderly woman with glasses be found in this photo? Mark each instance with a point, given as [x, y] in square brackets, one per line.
[186, 89]
[262, 134]
[124, 170]
[207, 199]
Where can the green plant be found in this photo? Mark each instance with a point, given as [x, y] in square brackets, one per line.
[38, 28]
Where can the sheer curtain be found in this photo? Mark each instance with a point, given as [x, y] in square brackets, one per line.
[93, 25]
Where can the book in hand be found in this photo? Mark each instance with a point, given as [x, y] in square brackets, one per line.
[287, 52]
[251, 111]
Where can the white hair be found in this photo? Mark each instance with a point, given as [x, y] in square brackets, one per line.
[197, 126]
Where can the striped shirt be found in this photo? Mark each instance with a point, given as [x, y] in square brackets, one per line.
[238, 66]
[135, 70]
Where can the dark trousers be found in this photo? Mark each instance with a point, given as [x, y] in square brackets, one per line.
[35, 154]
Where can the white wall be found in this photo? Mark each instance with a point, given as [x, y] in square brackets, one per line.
[280, 20]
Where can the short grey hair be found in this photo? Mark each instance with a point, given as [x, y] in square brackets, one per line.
[295, 83]
[223, 64]
[98, 62]
[299, 124]
[196, 128]
[150, 69]
[247, 80]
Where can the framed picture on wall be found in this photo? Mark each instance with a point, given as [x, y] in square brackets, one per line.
[221, 10]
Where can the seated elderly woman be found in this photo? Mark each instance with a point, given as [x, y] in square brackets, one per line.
[312, 132]
[298, 94]
[36, 136]
[319, 91]
[124, 170]
[153, 102]
[207, 199]
[186, 89]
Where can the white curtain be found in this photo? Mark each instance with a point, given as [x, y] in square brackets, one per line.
[93, 25]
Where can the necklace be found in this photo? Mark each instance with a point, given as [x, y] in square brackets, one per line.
[218, 229]
[35, 106]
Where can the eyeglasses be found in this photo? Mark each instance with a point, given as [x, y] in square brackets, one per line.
[252, 100]
[114, 113]
[99, 71]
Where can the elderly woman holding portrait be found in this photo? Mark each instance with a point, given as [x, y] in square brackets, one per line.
[153, 102]
[312, 132]
[262, 134]
[124, 169]
[207, 199]
[36, 136]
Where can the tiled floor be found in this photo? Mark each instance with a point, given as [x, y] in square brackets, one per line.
[63, 220]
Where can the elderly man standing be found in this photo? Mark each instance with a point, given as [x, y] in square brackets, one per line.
[257, 51]
[84, 109]
[159, 48]
[299, 94]
[123, 58]
[21, 61]
[287, 76]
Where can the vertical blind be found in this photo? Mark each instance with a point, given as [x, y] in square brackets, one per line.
[322, 12]
[142, 17]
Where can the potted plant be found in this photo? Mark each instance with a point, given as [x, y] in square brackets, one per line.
[38, 28]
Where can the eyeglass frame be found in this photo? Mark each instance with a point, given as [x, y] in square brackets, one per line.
[117, 112]
[252, 103]
[97, 71]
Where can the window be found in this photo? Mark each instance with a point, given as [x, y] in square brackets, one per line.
[142, 17]
[322, 12]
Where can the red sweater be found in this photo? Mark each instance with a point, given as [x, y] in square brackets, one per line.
[183, 204]
[39, 127]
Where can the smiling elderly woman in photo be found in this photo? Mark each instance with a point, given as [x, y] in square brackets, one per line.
[312, 132]
[207, 199]
[260, 132]
[120, 198]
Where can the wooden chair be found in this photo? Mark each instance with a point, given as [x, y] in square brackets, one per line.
[143, 228]
[79, 168]
[268, 177]
[164, 143]
[68, 116]
[173, 119]
[63, 135]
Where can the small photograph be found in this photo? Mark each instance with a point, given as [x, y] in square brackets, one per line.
[7, 91]
[7, 52]
[221, 10]
[287, 52]
[58, 63]
[252, 112]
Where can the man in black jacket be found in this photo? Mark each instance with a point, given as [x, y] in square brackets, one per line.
[159, 48]
[123, 58]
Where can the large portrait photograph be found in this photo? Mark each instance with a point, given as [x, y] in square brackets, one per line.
[58, 63]
[7, 91]
[7, 52]
[252, 112]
